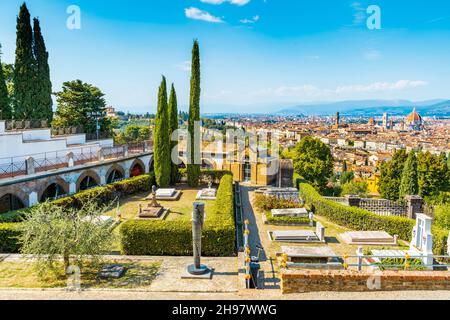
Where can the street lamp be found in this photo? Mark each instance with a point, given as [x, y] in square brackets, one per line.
[97, 115]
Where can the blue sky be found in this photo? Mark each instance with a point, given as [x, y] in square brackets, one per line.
[257, 55]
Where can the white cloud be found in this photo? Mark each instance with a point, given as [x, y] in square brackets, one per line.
[382, 86]
[235, 2]
[250, 21]
[197, 14]
[309, 90]
[184, 66]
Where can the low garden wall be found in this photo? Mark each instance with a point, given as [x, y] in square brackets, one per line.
[298, 281]
[144, 237]
[10, 222]
[363, 220]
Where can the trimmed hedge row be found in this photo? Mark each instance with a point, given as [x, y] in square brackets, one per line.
[363, 220]
[144, 237]
[9, 233]
[285, 221]
[264, 203]
[110, 192]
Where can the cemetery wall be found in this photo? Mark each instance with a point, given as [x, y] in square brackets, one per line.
[298, 281]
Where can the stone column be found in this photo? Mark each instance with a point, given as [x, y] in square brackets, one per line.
[72, 188]
[125, 151]
[414, 206]
[101, 155]
[353, 201]
[29, 165]
[198, 216]
[33, 199]
[70, 159]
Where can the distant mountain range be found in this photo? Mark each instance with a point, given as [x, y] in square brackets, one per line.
[438, 107]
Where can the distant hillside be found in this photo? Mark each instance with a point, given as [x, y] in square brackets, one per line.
[372, 108]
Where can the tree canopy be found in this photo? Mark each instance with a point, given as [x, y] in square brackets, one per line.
[313, 161]
[75, 105]
[409, 183]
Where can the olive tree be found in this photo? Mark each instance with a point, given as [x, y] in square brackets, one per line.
[51, 233]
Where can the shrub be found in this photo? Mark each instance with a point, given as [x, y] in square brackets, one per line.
[207, 175]
[285, 221]
[442, 216]
[108, 193]
[265, 203]
[9, 237]
[145, 237]
[363, 220]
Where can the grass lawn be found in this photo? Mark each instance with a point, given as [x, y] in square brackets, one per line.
[180, 209]
[332, 231]
[25, 275]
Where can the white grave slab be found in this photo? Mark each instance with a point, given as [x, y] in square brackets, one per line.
[369, 238]
[165, 193]
[300, 212]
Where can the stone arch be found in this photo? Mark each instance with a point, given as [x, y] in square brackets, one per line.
[54, 182]
[93, 179]
[151, 165]
[137, 168]
[114, 173]
[13, 199]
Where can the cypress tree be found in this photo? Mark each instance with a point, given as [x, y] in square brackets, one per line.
[173, 121]
[161, 139]
[409, 182]
[24, 67]
[43, 92]
[193, 168]
[5, 107]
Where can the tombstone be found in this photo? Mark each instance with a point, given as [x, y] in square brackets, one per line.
[320, 231]
[197, 270]
[448, 244]
[422, 239]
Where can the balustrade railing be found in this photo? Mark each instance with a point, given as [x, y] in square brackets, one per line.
[19, 166]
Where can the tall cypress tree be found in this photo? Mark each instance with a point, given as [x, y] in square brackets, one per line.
[409, 183]
[161, 139]
[193, 168]
[5, 107]
[173, 127]
[43, 90]
[24, 67]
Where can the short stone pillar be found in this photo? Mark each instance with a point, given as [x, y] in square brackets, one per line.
[72, 188]
[353, 201]
[70, 159]
[101, 155]
[33, 199]
[360, 255]
[145, 146]
[125, 151]
[414, 206]
[29, 165]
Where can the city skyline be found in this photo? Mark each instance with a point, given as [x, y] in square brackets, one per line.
[261, 54]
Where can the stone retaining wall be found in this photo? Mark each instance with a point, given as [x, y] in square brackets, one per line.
[298, 281]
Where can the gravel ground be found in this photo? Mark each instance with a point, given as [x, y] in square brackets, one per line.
[15, 294]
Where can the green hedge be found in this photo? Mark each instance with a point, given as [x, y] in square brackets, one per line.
[145, 237]
[9, 233]
[110, 192]
[103, 194]
[285, 221]
[363, 220]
